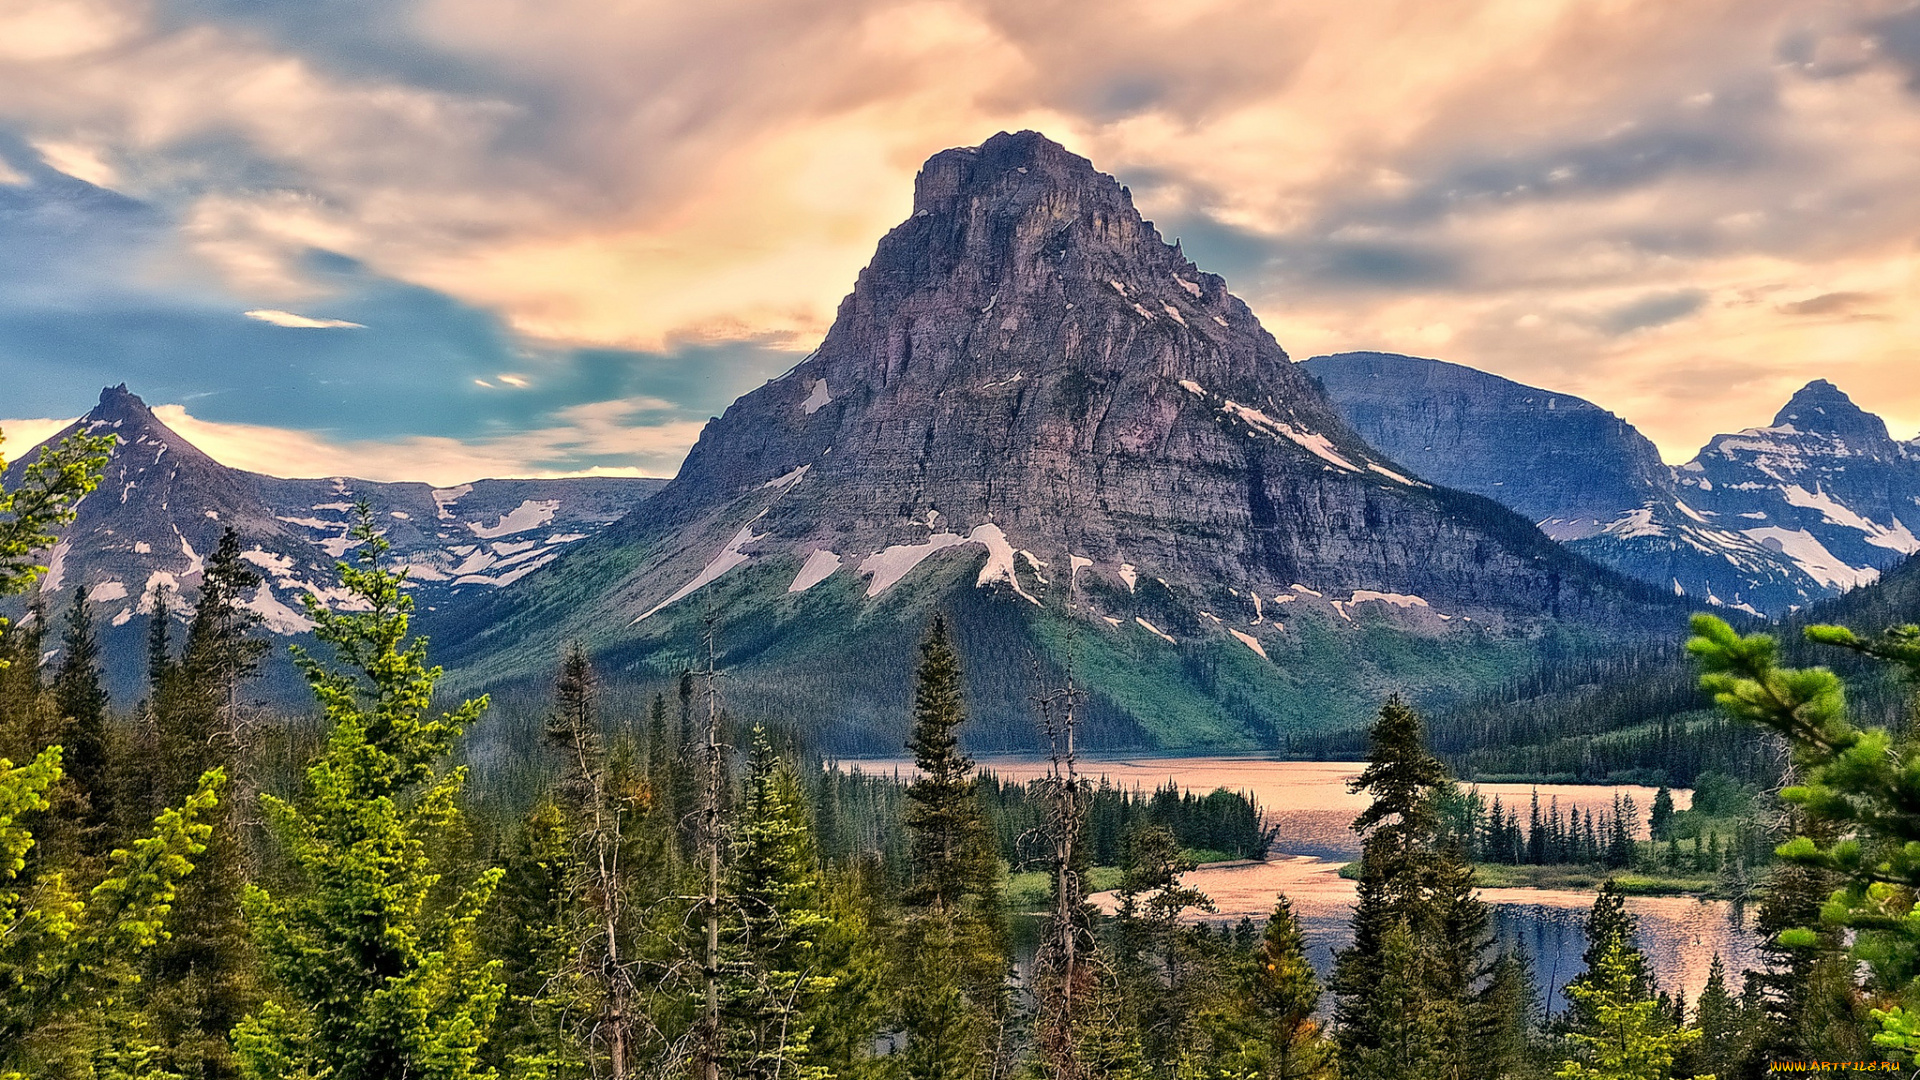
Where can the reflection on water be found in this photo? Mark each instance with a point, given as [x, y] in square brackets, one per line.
[1680, 935]
[1309, 802]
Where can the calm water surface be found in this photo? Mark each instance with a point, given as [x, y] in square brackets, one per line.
[1310, 803]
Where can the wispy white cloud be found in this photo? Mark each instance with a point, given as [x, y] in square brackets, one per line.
[301, 322]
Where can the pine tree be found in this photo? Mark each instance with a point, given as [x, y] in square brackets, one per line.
[221, 649]
[610, 857]
[776, 982]
[204, 981]
[373, 947]
[1503, 1037]
[953, 939]
[29, 721]
[69, 955]
[1609, 929]
[1412, 883]
[1660, 819]
[534, 928]
[1630, 1037]
[1151, 952]
[1405, 1027]
[853, 946]
[83, 710]
[1399, 827]
[1806, 994]
[1285, 995]
[1717, 1019]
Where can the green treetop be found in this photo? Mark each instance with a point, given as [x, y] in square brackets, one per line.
[46, 498]
[372, 947]
[1631, 1037]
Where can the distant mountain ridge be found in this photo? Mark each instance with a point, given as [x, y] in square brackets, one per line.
[1767, 520]
[1034, 411]
[163, 504]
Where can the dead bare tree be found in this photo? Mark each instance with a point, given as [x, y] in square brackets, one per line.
[712, 843]
[1064, 972]
[599, 840]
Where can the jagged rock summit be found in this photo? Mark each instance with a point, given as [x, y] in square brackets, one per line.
[1822, 407]
[1824, 484]
[1029, 392]
[160, 508]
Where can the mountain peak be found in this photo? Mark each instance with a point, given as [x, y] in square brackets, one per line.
[973, 170]
[118, 404]
[1823, 407]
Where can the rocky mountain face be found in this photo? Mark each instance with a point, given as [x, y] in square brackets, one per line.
[163, 505]
[1029, 396]
[1824, 485]
[1566, 464]
[1766, 521]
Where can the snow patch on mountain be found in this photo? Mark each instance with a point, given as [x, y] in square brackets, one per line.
[444, 498]
[729, 557]
[1155, 631]
[276, 616]
[56, 568]
[999, 559]
[1812, 556]
[1318, 445]
[1250, 642]
[819, 567]
[530, 514]
[1895, 538]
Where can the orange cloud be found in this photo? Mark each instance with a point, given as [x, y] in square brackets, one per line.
[1648, 203]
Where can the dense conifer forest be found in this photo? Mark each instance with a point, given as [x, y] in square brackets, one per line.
[192, 887]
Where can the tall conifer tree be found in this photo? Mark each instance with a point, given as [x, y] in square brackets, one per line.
[953, 938]
[372, 944]
[203, 981]
[82, 703]
[1286, 994]
[777, 983]
[1420, 935]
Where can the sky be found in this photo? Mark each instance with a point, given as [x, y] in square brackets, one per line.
[444, 239]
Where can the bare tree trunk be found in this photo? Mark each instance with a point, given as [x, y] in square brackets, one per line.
[1064, 970]
[710, 836]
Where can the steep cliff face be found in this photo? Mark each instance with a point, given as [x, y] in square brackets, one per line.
[1562, 462]
[1025, 355]
[1028, 380]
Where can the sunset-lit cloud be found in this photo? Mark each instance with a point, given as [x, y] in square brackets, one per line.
[588, 433]
[1680, 211]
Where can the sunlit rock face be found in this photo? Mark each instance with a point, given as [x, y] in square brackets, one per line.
[1025, 360]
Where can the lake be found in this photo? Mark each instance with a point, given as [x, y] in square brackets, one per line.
[1309, 803]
